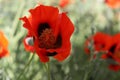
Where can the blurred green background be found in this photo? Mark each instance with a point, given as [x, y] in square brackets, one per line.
[88, 17]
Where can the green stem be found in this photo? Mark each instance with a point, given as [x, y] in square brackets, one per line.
[47, 67]
[49, 76]
[18, 78]
[90, 64]
[17, 16]
[86, 76]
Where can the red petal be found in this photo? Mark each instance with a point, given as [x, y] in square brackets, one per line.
[104, 56]
[114, 67]
[116, 38]
[41, 53]
[66, 30]
[4, 52]
[102, 39]
[44, 14]
[63, 3]
[26, 23]
[3, 45]
[113, 3]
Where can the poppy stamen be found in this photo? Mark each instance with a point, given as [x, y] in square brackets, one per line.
[47, 39]
[112, 49]
[42, 27]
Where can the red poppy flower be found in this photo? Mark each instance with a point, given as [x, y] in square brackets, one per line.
[3, 45]
[101, 42]
[50, 32]
[63, 3]
[113, 3]
[114, 53]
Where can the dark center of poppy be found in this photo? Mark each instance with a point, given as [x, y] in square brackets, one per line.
[116, 53]
[42, 27]
[47, 39]
[112, 49]
[51, 54]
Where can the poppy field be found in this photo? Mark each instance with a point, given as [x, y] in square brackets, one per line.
[59, 39]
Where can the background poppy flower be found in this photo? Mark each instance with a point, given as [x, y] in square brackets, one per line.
[113, 3]
[101, 42]
[51, 32]
[3, 45]
[63, 3]
[104, 42]
[114, 53]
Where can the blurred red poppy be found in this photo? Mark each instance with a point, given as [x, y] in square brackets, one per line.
[113, 3]
[49, 31]
[101, 42]
[3, 45]
[63, 3]
[114, 53]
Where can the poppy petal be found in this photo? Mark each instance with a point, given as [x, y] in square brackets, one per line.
[3, 45]
[113, 3]
[66, 30]
[44, 13]
[42, 55]
[114, 67]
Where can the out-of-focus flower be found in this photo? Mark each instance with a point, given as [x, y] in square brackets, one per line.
[3, 45]
[48, 33]
[110, 45]
[114, 67]
[113, 3]
[114, 53]
[101, 42]
[64, 3]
